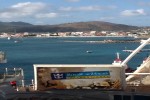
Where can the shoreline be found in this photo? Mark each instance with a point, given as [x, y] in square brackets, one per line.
[70, 36]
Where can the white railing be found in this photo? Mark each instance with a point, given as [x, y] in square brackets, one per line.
[12, 74]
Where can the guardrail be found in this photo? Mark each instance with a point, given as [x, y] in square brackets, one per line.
[10, 74]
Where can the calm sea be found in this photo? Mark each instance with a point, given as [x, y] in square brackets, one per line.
[67, 50]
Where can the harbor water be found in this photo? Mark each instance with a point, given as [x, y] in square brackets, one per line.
[65, 50]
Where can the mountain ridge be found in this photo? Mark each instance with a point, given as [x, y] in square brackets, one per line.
[66, 27]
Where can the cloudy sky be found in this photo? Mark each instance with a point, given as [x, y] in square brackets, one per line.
[130, 12]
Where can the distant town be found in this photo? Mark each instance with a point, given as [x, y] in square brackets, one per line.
[142, 32]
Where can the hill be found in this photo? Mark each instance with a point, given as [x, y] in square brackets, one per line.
[67, 27]
[12, 26]
[98, 26]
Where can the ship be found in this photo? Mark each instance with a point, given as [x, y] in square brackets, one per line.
[118, 61]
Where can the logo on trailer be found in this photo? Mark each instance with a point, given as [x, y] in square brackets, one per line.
[58, 76]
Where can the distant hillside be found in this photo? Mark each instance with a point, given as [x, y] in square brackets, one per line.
[15, 23]
[98, 26]
[12, 26]
[67, 27]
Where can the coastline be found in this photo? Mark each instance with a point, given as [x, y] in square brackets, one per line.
[139, 37]
[69, 36]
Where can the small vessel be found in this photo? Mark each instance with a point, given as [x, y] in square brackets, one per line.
[127, 50]
[130, 51]
[89, 51]
[17, 41]
[8, 38]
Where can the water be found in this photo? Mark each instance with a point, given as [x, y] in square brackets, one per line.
[66, 50]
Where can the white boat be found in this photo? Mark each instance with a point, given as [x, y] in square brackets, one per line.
[8, 38]
[17, 41]
[127, 50]
[89, 51]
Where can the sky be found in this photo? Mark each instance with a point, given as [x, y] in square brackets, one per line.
[52, 12]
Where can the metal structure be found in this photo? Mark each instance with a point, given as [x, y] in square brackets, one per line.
[135, 52]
